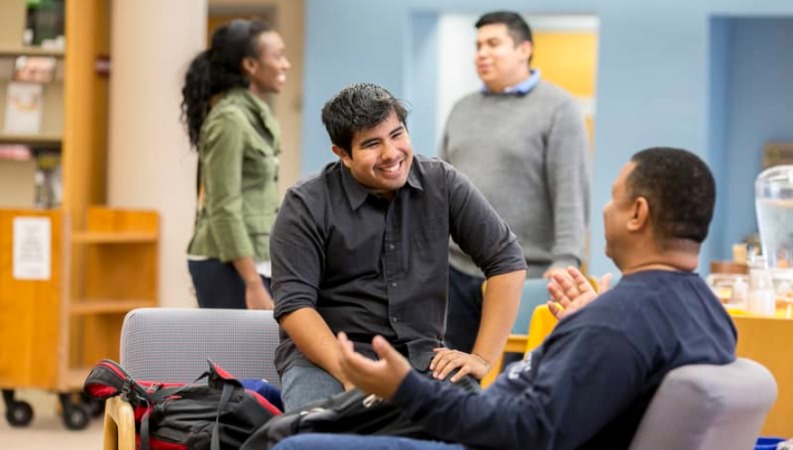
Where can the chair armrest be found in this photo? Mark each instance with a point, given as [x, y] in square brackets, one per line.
[119, 428]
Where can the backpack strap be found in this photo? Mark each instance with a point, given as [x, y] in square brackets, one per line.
[157, 398]
[225, 396]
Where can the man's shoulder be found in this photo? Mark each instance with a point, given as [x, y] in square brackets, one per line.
[469, 103]
[316, 185]
[430, 163]
[433, 170]
[551, 93]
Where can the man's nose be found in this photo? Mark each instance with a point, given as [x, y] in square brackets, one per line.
[389, 151]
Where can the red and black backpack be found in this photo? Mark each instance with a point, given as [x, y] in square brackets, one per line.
[217, 415]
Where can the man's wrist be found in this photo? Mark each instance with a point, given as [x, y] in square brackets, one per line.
[482, 360]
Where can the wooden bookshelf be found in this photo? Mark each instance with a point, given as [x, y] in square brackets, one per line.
[111, 306]
[37, 140]
[126, 237]
[30, 50]
[104, 261]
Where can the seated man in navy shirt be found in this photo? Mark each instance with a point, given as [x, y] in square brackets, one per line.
[588, 385]
[362, 248]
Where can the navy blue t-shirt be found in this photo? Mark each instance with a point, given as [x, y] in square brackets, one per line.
[589, 383]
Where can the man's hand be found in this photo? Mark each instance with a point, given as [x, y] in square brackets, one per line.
[571, 291]
[256, 296]
[446, 360]
[381, 377]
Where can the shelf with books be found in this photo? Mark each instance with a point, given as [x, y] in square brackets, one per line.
[7, 50]
[48, 140]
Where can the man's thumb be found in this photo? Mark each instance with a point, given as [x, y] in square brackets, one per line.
[383, 349]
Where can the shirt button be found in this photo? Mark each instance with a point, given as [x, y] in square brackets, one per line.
[393, 284]
[391, 246]
[394, 320]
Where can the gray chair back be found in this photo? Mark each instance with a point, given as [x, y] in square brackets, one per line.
[173, 344]
[708, 407]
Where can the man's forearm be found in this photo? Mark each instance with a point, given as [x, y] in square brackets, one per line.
[314, 339]
[499, 309]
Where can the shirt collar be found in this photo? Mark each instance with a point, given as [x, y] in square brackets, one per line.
[522, 88]
[357, 193]
[252, 103]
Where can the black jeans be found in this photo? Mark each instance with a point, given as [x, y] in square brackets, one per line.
[464, 312]
[218, 285]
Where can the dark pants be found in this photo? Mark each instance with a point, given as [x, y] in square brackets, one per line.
[464, 311]
[218, 285]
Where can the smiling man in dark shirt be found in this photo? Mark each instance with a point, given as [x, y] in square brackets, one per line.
[363, 248]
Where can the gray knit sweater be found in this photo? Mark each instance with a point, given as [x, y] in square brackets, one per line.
[528, 155]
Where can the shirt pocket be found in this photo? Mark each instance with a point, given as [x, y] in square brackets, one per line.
[429, 235]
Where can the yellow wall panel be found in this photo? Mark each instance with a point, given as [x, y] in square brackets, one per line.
[567, 59]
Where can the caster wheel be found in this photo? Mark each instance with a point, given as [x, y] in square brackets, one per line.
[19, 414]
[96, 407]
[76, 417]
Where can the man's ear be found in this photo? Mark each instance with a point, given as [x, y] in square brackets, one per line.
[640, 214]
[342, 154]
[526, 48]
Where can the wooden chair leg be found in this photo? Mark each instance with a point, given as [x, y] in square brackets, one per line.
[119, 429]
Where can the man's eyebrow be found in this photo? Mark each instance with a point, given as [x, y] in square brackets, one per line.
[399, 128]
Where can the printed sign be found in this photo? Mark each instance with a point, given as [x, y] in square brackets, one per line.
[32, 252]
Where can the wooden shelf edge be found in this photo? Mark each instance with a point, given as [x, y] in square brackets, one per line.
[30, 50]
[31, 139]
[94, 237]
[100, 306]
[74, 378]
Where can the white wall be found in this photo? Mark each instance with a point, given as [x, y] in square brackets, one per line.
[456, 71]
[150, 163]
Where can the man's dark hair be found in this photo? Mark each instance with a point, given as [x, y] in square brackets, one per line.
[680, 190]
[358, 107]
[517, 28]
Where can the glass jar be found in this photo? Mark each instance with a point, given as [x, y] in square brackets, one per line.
[774, 203]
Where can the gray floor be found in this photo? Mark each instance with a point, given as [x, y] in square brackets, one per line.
[47, 431]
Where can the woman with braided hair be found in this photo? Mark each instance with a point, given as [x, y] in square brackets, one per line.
[238, 141]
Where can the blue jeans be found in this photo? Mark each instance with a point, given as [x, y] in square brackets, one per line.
[218, 285]
[354, 442]
[301, 385]
[305, 384]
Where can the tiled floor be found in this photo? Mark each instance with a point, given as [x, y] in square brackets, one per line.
[47, 432]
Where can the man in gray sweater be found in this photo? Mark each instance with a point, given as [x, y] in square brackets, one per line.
[522, 141]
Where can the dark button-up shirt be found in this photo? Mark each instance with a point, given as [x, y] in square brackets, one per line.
[370, 266]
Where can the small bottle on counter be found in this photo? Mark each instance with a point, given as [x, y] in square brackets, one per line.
[761, 299]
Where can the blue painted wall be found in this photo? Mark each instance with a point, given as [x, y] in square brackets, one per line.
[654, 80]
[760, 109]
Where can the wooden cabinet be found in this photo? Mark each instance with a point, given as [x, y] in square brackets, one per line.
[103, 261]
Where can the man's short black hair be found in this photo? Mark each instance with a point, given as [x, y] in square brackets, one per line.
[680, 190]
[358, 107]
[517, 27]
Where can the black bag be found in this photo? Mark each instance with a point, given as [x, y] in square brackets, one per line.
[351, 412]
[218, 415]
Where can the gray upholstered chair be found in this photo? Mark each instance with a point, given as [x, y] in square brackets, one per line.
[173, 344]
[707, 407]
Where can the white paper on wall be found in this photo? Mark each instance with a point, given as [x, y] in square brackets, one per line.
[32, 248]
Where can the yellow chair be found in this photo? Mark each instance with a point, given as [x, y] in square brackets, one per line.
[541, 325]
